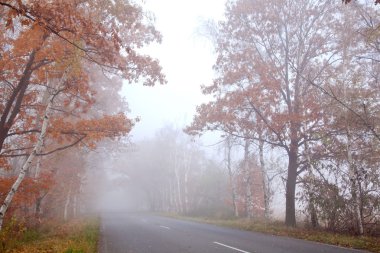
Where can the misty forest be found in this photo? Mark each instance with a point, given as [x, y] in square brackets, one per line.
[287, 135]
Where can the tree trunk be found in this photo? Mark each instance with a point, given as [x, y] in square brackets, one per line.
[311, 207]
[230, 175]
[173, 203]
[248, 201]
[248, 188]
[178, 183]
[13, 105]
[355, 192]
[179, 196]
[264, 178]
[45, 100]
[38, 209]
[186, 193]
[67, 203]
[187, 166]
[290, 215]
[313, 213]
[75, 205]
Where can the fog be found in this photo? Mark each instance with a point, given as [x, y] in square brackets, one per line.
[133, 178]
[186, 56]
[249, 109]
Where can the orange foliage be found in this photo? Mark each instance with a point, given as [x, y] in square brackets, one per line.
[28, 193]
[41, 40]
[49, 44]
[91, 130]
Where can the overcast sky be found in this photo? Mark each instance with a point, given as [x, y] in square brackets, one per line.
[186, 58]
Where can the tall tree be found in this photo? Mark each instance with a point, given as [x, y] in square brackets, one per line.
[47, 48]
[266, 52]
[39, 35]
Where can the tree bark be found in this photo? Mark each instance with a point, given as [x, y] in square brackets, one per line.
[179, 196]
[178, 183]
[187, 166]
[186, 193]
[67, 203]
[355, 192]
[247, 180]
[172, 196]
[290, 215]
[13, 105]
[264, 178]
[230, 175]
[313, 214]
[39, 119]
[312, 210]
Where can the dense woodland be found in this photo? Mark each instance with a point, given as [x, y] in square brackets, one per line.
[295, 100]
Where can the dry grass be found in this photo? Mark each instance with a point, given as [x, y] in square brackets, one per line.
[80, 236]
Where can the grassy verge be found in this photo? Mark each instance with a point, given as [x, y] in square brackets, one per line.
[80, 236]
[371, 244]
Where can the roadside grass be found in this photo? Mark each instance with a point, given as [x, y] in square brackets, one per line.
[78, 236]
[368, 243]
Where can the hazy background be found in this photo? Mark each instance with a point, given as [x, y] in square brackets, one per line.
[186, 57]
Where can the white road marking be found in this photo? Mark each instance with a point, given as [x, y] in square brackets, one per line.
[164, 227]
[230, 247]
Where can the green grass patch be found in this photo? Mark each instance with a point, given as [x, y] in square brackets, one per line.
[79, 236]
[371, 244]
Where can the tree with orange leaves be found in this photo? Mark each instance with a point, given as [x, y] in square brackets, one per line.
[39, 36]
[272, 58]
[45, 51]
[267, 51]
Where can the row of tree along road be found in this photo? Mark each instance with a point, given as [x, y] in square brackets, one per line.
[61, 64]
[301, 78]
[295, 82]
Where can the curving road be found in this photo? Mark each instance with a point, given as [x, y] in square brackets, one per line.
[146, 233]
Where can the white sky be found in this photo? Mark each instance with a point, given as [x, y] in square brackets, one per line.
[187, 60]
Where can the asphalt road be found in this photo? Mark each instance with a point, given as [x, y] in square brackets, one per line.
[145, 233]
